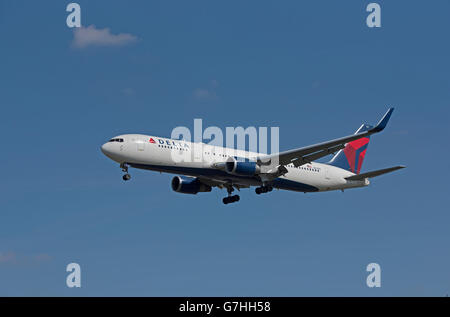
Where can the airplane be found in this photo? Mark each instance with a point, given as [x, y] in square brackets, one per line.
[213, 166]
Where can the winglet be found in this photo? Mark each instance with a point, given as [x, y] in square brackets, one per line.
[383, 122]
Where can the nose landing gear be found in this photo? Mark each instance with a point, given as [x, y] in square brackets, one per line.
[230, 198]
[124, 168]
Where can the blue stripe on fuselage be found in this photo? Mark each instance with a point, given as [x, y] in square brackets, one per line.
[287, 184]
[281, 183]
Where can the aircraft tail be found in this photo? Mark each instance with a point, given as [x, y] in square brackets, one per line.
[352, 156]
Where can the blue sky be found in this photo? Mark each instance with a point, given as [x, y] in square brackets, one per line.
[312, 68]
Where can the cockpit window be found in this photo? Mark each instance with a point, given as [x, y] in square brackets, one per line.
[116, 140]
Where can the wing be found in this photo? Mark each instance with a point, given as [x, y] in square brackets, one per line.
[310, 153]
[220, 183]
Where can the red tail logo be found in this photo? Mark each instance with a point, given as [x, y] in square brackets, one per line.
[355, 152]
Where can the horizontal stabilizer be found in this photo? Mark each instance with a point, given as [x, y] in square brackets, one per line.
[374, 173]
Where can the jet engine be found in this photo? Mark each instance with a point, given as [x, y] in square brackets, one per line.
[232, 166]
[189, 185]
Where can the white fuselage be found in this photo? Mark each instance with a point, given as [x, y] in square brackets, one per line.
[162, 154]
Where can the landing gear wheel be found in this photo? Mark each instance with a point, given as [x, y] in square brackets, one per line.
[231, 199]
[126, 177]
[263, 189]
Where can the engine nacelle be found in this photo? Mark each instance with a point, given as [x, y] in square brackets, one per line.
[232, 166]
[189, 185]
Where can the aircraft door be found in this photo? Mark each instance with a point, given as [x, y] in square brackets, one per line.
[327, 174]
[140, 145]
[197, 148]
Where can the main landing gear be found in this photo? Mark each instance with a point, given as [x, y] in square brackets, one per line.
[230, 199]
[263, 189]
[124, 168]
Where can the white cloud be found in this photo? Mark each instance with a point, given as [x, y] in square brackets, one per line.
[8, 257]
[91, 36]
[202, 93]
[23, 259]
[207, 93]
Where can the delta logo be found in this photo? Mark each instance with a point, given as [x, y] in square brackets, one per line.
[169, 143]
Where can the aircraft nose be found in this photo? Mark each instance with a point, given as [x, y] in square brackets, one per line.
[106, 149]
[112, 150]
